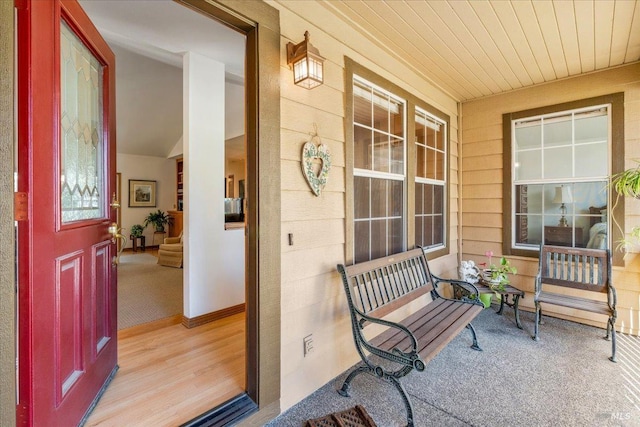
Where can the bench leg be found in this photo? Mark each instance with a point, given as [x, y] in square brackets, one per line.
[502, 298]
[405, 399]
[344, 391]
[475, 345]
[612, 324]
[516, 301]
[537, 322]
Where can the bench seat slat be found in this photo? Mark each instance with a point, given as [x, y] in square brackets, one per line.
[429, 345]
[593, 306]
[433, 326]
[391, 337]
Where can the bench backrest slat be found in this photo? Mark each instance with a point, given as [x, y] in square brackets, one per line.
[379, 286]
[587, 269]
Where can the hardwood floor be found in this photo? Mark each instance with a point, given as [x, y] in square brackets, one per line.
[170, 374]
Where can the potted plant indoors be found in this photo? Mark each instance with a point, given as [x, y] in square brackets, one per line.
[159, 219]
[136, 230]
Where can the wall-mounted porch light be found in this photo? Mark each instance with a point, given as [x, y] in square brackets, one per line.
[306, 62]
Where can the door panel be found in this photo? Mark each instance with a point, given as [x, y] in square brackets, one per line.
[66, 158]
[69, 363]
[100, 289]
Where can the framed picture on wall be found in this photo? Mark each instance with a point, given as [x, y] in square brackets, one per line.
[142, 193]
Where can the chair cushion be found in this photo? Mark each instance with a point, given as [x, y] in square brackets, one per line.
[171, 247]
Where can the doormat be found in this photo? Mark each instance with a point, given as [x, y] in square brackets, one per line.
[353, 417]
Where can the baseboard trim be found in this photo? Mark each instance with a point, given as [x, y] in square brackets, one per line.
[192, 322]
[149, 327]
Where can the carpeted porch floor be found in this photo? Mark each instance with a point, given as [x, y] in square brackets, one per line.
[565, 379]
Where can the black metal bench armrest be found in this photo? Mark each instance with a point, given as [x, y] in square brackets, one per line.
[410, 358]
[470, 288]
[365, 318]
[612, 298]
[537, 285]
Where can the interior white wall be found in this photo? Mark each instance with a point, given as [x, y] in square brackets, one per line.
[148, 102]
[158, 169]
[177, 149]
[214, 257]
[234, 110]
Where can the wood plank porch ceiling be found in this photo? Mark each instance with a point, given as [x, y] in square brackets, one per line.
[477, 48]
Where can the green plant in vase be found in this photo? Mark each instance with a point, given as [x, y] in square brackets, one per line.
[159, 219]
[136, 230]
[498, 275]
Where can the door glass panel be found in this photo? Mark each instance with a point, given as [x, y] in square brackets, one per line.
[81, 124]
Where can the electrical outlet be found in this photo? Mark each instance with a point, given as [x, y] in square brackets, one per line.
[308, 344]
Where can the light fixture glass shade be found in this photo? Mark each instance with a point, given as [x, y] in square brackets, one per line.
[307, 63]
[308, 72]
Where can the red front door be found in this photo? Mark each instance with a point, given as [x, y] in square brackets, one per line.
[66, 166]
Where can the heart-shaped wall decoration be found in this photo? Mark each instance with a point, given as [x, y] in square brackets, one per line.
[316, 177]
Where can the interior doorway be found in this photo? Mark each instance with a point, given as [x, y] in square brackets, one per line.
[234, 150]
[263, 156]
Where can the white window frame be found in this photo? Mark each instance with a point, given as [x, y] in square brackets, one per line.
[370, 173]
[442, 183]
[556, 181]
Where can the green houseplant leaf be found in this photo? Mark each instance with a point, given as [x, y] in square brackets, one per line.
[136, 230]
[627, 182]
[498, 275]
[159, 219]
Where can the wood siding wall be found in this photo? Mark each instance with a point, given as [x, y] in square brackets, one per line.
[482, 163]
[313, 300]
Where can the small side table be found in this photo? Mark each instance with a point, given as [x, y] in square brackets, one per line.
[134, 240]
[509, 290]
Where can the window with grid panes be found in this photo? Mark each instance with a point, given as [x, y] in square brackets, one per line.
[431, 164]
[560, 179]
[379, 171]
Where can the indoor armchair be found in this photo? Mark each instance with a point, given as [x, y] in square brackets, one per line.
[170, 252]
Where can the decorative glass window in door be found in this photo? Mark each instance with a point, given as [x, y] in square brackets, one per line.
[81, 124]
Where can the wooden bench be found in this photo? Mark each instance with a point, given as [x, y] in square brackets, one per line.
[375, 289]
[585, 269]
